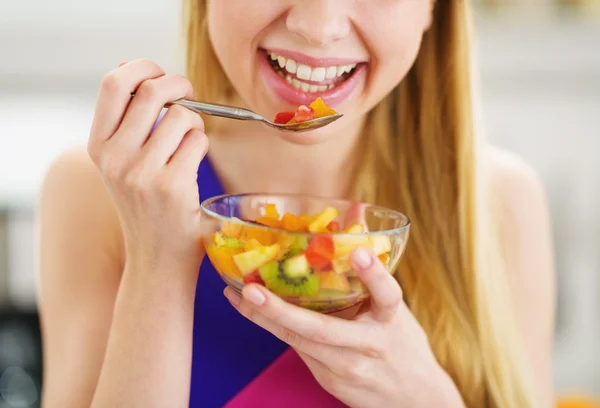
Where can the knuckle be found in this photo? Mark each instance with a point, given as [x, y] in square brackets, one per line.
[134, 180]
[332, 383]
[290, 337]
[108, 163]
[393, 305]
[166, 188]
[184, 82]
[181, 113]
[112, 83]
[247, 312]
[198, 140]
[150, 64]
[355, 369]
[92, 151]
[148, 90]
[375, 352]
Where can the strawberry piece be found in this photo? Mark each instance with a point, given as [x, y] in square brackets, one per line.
[284, 117]
[320, 252]
[303, 114]
[253, 277]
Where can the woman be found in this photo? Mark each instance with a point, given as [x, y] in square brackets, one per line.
[128, 320]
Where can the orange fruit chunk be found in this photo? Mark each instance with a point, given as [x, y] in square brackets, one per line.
[321, 109]
[292, 223]
[222, 259]
[269, 222]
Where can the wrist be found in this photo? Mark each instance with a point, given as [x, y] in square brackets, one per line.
[444, 394]
[160, 276]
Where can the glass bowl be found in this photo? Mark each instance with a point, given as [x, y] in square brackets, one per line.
[299, 246]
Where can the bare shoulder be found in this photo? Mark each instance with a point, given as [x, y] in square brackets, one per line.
[80, 240]
[74, 192]
[523, 212]
[515, 181]
[525, 225]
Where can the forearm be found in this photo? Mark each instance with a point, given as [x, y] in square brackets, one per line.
[148, 357]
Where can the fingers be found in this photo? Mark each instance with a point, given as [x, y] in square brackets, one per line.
[311, 325]
[190, 153]
[114, 97]
[169, 135]
[145, 107]
[386, 295]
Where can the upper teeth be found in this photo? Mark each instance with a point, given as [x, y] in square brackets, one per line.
[307, 73]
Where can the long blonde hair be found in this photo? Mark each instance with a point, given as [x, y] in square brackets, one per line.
[422, 158]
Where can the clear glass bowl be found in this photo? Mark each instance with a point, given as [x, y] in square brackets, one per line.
[303, 254]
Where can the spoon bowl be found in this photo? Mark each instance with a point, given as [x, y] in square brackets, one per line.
[307, 125]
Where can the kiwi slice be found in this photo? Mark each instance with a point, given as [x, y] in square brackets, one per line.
[292, 277]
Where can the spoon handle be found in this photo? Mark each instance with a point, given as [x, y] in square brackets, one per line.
[215, 109]
[223, 111]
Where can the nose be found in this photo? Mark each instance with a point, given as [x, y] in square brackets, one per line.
[319, 22]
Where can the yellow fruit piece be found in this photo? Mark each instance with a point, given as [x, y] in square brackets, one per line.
[249, 261]
[380, 244]
[344, 245]
[385, 258]
[321, 109]
[320, 222]
[341, 266]
[271, 211]
[333, 282]
[355, 229]
[222, 260]
[251, 244]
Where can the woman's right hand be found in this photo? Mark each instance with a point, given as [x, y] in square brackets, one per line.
[150, 175]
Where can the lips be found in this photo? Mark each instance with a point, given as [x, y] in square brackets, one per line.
[299, 80]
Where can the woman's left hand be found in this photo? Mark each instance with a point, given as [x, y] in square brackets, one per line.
[380, 358]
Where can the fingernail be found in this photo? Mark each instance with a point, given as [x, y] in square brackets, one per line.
[233, 297]
[122, 63]
[361, 258]
[253, 295]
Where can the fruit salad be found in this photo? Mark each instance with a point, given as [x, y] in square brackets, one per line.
[303, 258]
[317, 109]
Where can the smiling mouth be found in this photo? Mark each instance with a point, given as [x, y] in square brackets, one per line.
[308, 78]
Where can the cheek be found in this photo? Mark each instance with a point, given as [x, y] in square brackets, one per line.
[395, 44]
[235, 28]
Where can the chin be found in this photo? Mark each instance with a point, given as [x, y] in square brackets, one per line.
[306, 138]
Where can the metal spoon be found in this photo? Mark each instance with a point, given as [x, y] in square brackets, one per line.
[232, 112]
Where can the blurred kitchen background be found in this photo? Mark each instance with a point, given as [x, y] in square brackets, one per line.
[540, 87]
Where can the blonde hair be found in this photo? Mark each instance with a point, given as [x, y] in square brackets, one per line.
[421, 158]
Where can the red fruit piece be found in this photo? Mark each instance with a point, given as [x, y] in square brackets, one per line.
[304, 113]
[284, 117]
[333, 226]
[253, 277]
[320, 252]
